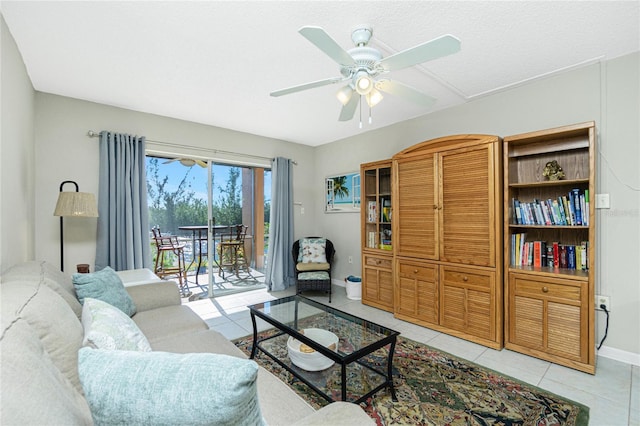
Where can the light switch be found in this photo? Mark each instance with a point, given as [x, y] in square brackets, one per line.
[602, 201]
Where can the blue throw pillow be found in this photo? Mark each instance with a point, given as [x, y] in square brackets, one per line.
[150, 388]
[104, 285]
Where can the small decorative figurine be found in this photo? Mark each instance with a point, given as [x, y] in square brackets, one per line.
[553, 171]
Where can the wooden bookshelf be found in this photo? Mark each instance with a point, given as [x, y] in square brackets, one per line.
[377, 242]
[550, 307]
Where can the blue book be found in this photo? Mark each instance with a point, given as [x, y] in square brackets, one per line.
[576, 203]
[571, 257]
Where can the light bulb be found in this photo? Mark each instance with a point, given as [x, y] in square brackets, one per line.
[374, 97]
[364, 83]
[344, 94]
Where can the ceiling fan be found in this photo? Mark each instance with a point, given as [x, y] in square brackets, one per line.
[362, 65]
[188, 162]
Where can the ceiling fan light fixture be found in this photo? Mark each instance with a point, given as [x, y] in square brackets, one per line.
[344, 94]
[374, 97]
[364, 83]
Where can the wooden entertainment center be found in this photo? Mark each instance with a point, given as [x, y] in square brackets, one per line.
[444, 247]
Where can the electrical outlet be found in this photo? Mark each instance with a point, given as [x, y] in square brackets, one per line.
[603, 300]
[350, 259]
[301, 210]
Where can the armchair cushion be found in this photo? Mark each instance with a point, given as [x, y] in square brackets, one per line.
[104, 285]
[315, 275]
[126, 387]
[302, 267]
[313, 250]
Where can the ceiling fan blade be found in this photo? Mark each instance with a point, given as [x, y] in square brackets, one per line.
[436, 48]
[324, 42]
[350, 108]
[406, 92]
[306, 86]
[201, 163]
[170, 161]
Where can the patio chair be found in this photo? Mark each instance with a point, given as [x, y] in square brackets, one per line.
[166, 245]
[312, 257]
[232, 251]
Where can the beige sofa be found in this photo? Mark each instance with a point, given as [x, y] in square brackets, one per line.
[42, 333]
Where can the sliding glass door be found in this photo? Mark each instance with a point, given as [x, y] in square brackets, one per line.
[199, 201]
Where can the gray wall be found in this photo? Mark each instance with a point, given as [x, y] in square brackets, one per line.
[65, 152]
[16, 155]
[607, 93]
[50, 132]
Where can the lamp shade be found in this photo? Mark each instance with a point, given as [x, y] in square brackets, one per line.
[77, 204]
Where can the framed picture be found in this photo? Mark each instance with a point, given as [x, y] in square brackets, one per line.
[342, 193]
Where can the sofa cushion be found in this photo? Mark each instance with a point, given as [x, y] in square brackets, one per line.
[155, 295]
[34, 391]
[49, 275]
[104, 285]
[313, 250]
[107, 327]
[271, 390]
[50, 318]
[169, 321]
[125, 387]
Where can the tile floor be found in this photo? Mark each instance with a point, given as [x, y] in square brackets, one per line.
[613, 394]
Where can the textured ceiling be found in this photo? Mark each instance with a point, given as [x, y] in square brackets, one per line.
[216, 62]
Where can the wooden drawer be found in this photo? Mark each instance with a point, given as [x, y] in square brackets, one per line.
[557, 289]
[481, 280]
[426, 272]
[378, 262]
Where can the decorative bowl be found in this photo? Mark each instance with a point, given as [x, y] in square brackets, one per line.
[307, 358]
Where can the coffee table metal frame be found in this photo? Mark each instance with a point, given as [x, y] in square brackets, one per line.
[343, 359]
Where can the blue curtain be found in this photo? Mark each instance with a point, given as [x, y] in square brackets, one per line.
[279, 271]
[123, 225]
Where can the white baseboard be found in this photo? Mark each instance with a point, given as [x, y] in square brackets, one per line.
[619, 355]
[339, 283]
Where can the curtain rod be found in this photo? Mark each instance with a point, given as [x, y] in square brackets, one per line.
[93, 134]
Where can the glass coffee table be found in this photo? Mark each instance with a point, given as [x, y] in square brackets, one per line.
[363, 357]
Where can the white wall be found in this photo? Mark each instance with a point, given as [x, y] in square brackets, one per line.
[16, 155]
[65, 152]
[607, 93]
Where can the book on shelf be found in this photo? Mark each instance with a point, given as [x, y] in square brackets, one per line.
[577, 205]
[386, 214]
[550, 256]
[566, 210]
[371, 240]
[540, 254]
[372, 211]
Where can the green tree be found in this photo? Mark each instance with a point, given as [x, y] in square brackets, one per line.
[340, 189]
[171, 209]
[228, 210]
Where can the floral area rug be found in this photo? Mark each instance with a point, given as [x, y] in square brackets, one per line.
[436, 388]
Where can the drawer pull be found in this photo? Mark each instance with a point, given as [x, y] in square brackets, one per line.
[415, 271]
[377, 261]
[465, 278]
[545, 289]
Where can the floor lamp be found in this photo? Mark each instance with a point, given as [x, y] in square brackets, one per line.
[74, 204]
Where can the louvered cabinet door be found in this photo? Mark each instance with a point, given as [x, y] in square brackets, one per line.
[416, 292]
[377, 286]
[548, 317]
[467, 199]
[416, 235]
